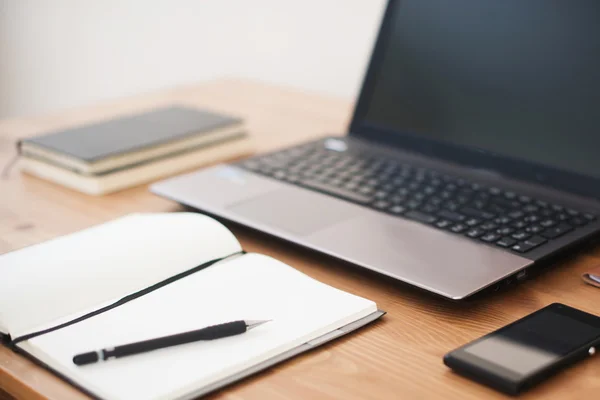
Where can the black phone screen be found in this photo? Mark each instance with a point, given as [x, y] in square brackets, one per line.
[537, 341]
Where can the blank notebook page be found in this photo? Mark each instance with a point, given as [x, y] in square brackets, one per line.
[252, 287]
[78, 272]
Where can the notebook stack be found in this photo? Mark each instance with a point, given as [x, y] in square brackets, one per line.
[112, 155]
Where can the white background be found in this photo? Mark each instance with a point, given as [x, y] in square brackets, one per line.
[58, 54]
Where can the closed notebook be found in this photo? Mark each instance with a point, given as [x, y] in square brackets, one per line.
[148, 275]
[131, 140]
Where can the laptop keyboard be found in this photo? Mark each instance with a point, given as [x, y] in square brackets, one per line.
[489, 214]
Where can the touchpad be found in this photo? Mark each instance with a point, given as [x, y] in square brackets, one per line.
[296, 211]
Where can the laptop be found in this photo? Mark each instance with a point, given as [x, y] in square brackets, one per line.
[472, 158]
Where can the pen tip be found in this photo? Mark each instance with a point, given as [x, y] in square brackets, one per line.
[253, 324]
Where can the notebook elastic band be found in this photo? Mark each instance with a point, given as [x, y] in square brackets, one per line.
[124, 300]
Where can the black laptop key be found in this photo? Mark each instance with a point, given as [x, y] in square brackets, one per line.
[490, 237]
[351, 186]
[557, 231]
[402, 192]
[520, 224]
[529, 244]
[451, 205]
[506, 242]
[413, 186]
[445, 194]
[562, 217]
[435, 200]
[478, 204]
[429, 190]
[521, 235]
[473, 212]
[429, 209]
[589, 217]
[506, 204]
[421, 217]
[547, 223]
[477, 187]
[530, 208]
[494, 191]
[462, 199]
[502, 220]
[578, 221]
[472, 222]
[396, 199]
[339, 192]
[522, 247]
[381, 204]
[366, 190]
[443, 224]
[525, 199]
[484, 196]
[494, 209]
[451, 215]
[382, 194]
[475, 232]
[506, 230]
[516, 214]
[397, 209]
[436, 182]
[413, 204]
[458, 228]
[419, 196]
[536, 240]
[534, 229]
[488, 226]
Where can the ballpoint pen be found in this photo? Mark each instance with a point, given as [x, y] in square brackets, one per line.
[208, 333]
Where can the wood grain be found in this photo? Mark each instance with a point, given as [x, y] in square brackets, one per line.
[398, 357]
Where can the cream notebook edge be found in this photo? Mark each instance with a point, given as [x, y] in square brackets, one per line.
[350, 322]
[305, 347]
[141, 174]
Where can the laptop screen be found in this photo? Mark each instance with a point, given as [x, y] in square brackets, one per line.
[509, 77]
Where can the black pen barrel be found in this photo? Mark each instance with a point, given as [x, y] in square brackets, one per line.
[208, 333]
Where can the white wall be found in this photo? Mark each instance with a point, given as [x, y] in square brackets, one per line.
[60, 54]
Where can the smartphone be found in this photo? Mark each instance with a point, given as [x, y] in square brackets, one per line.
[517, 356]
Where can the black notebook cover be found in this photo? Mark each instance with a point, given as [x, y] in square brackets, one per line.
[132, 133]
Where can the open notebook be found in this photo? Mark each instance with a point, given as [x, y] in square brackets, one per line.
[148, 275]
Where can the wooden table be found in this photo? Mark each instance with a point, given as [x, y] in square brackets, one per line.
[398, 357]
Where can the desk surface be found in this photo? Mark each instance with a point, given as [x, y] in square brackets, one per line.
[398, 357]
